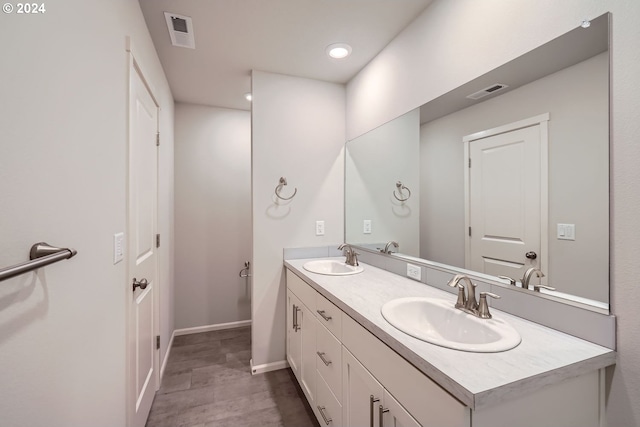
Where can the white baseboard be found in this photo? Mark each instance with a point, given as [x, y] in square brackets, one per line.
[166, 355]
[267, 367]
[207, 328]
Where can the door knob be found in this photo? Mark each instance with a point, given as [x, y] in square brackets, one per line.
[531, 255]
[142, 284]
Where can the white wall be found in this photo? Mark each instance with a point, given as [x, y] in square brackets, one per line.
[63, 168]
[454, 41]
[298, 133]
[213, 214]
[374, 163]
[577, 99]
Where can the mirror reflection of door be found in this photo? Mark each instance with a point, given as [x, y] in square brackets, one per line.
[505, 192]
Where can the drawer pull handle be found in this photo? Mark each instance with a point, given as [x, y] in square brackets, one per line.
[324, 316]
[381, 414]
[372, 400]
[324, 417]
[296, 325]
[325, 361]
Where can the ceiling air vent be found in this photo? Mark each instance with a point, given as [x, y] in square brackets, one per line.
[180, 30]
[487, 91]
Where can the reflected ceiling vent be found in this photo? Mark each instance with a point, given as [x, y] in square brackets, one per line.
[180, 30]
[487, 91]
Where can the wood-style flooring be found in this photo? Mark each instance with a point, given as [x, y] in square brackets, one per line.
[208, 383]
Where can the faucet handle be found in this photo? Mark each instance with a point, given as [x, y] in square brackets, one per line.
[483, 307]
[536, 288]
[511, 280]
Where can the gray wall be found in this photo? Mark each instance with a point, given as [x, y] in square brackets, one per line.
[419, 66]
[298, 133]
[577, 100]
[63, 180]
[213, 215]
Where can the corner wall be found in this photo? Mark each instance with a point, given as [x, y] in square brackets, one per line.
[297, 133]
[63, 169]
[454, 41]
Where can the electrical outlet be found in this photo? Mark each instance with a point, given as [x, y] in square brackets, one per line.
[118, 247]
[414, 272]
[366, 226]
[319, 228]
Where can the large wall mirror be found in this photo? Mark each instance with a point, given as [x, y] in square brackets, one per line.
[507, 172]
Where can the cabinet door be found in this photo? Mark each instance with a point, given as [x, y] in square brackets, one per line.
[361, 394]
[394, 415]
[294, 335]
[308, 324]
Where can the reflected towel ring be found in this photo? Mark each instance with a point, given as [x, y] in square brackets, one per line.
[400, 186]
[283, 182]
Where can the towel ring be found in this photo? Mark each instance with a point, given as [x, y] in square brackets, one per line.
[400, 186]
[283, 182]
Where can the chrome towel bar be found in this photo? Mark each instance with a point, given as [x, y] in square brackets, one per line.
[41, 254]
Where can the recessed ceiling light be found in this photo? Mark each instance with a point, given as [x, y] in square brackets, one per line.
[248, 96]
[585, 23]
[338, 50]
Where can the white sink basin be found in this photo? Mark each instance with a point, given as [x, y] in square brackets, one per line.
[439, 322]
[331, 267]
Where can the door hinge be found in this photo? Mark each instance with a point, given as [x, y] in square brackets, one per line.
[469, 231]
[158, 139]
[157, 240]
[469, 162]
[157, 342]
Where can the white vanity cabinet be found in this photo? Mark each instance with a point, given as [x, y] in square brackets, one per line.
[337, 384]
[301, 343]
[365, 401]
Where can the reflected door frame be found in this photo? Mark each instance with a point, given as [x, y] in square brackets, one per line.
[542, 121]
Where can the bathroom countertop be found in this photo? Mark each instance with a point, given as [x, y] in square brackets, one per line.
[545, 356]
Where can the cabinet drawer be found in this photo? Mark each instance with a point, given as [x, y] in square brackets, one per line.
[429, 404]
[329, 349]
[304, 292]
[329, 315]
[327, 405]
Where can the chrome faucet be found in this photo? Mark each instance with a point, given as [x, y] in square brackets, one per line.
[526, 278]
[350, 253]
[467, 301]
[386, 249]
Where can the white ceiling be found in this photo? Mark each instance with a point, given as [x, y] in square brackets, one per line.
[233, 37]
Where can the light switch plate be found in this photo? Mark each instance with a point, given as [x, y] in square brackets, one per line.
[319, 228]
[366, 226]
[414, 272]
[566, 232]
[118, 247]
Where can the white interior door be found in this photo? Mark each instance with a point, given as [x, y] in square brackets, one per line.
[142, 257]
[504, 206]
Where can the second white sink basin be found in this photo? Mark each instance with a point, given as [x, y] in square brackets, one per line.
[438, 322]
[331, 267]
